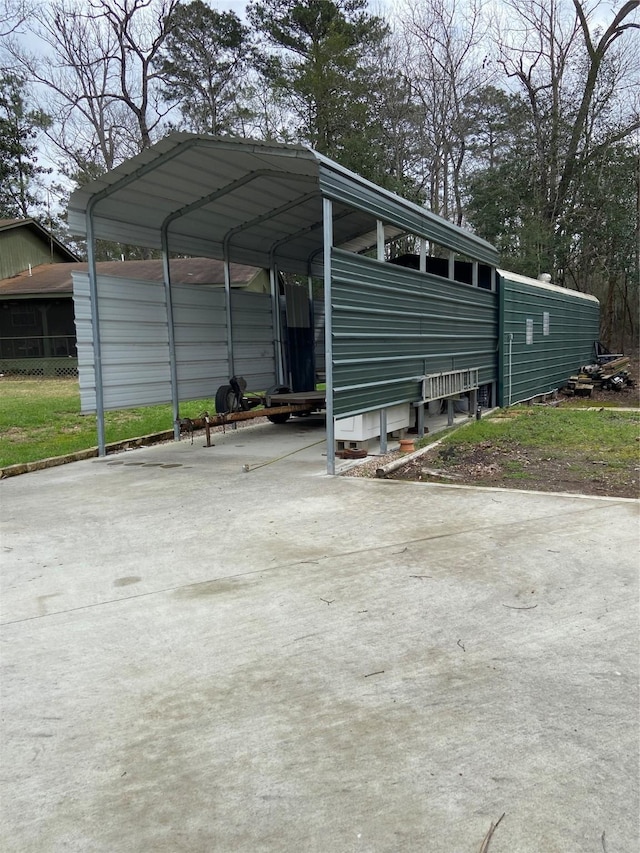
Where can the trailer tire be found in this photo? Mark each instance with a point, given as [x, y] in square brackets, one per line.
[273, 392]
[225, 399]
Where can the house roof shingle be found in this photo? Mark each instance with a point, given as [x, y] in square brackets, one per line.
[52, 279]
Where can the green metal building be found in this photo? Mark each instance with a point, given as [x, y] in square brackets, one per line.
[545, 333]
[393, 325]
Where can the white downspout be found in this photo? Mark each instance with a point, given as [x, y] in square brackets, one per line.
[510, 351]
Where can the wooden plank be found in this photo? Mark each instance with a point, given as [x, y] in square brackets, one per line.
[583, 390]
[614, 366]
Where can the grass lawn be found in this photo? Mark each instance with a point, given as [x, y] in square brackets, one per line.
[540, 447]
[40, 418]
[603, 432]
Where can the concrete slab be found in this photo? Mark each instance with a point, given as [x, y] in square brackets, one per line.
[200, 657]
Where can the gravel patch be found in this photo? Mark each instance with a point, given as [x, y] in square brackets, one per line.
[367, 467]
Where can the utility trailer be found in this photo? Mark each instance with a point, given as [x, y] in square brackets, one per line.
[234, 403]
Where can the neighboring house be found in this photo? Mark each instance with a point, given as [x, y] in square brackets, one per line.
[24, 245]
[34, 323]
[37, 327]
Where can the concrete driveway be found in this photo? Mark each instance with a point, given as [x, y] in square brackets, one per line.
[201, 658]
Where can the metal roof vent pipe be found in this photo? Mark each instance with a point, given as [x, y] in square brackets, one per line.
[545, 277]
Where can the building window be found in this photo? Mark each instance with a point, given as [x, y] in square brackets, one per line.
[529, 330]
[23, 316]
[545, 323]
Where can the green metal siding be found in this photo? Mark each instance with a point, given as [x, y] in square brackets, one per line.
[529, 369]
[396, 211]
[20, 247]
[392, 325]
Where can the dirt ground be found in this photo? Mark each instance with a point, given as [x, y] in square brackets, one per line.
[524, 468]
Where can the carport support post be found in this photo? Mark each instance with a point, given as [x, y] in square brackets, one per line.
[380, 239]
[277, 332]
[173, 368]
[95, 328]
[327, 233]
[383, 430]
[473, 403]
[227, 292]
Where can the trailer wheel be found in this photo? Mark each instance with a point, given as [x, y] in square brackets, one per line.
[225, 400]
[273, 392]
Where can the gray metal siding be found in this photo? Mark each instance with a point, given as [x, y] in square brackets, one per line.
[200, 330]
[253, 346]
[392, 325]
[135, 348]
[135, 341]
[548, 360]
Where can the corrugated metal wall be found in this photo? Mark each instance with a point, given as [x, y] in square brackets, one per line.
[392, 325]
[358, 193]
[253, 346]
[544, 350]
[200, 331]
[135, 341]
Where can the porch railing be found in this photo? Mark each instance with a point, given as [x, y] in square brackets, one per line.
[49, 346]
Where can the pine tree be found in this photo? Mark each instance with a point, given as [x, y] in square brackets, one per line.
[322, 60]
[19, 169]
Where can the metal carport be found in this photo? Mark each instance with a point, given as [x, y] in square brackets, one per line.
[284, 207]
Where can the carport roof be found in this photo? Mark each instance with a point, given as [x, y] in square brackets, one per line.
[253, 201]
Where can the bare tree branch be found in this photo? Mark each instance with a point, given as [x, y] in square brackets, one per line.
[97, 69]
[13, 13]
[446, 63]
